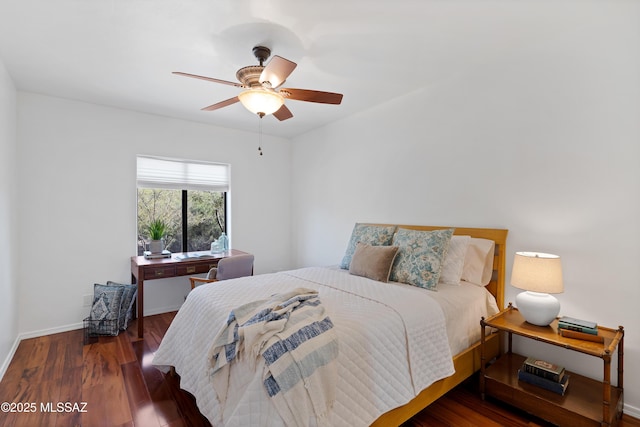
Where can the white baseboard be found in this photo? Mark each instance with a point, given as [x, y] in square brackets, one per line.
[632, 411]
[80, 325]
[9, 358]
[161, 310]
[50, 331]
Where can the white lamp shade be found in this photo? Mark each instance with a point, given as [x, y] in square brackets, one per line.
[261, 101]
[537, 272]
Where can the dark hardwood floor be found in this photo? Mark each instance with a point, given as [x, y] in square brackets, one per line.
[51, 377]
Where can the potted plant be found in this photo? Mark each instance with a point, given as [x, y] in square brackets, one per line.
[157, 230]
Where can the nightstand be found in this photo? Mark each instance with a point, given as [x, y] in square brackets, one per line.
[587, 402]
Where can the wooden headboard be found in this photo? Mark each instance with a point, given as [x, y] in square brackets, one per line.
[468, 361]
[497, 284]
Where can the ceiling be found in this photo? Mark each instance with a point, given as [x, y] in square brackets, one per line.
[121, 53]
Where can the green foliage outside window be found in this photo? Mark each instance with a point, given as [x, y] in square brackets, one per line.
[205, 220]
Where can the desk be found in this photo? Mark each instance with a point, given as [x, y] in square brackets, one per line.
[148, 269]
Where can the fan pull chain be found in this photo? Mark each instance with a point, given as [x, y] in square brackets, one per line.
[261, 115]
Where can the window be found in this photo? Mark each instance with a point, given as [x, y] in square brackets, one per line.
[189, 196]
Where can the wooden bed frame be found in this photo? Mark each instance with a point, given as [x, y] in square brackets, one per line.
[467, 362]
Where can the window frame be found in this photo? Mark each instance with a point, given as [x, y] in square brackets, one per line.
[163, 173]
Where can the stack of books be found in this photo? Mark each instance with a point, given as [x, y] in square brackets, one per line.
[151, 255]
[544, 374]
[581, 329]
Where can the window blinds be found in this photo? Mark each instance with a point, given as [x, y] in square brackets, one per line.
[175, 174]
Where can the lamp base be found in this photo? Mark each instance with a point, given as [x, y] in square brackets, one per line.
[536, 308]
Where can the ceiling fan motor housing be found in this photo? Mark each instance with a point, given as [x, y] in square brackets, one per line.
[261, 53]
[250, 76]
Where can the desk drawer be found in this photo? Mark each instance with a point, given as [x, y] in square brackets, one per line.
[184, 270]
[159, 272]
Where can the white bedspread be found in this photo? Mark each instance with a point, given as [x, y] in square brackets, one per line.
[392, 339]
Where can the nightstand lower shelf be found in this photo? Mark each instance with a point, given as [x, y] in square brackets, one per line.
[581, 404]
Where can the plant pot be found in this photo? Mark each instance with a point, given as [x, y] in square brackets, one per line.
[156, 246]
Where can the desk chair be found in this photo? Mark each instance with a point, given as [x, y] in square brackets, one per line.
[228, 268]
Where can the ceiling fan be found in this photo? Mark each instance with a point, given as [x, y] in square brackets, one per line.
[263, 94]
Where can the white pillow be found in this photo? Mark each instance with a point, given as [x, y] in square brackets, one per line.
[478, 262]
[454, 260]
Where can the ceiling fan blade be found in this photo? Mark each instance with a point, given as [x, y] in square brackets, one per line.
[209, 79]
[277, 71]
[221, 104]
[312, 96]
[283, 113]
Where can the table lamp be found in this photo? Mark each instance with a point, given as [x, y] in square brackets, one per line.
[539, 274]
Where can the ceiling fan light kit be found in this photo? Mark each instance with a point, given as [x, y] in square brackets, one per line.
[263, 94]
[261, 101]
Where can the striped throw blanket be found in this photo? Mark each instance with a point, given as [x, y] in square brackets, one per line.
[291, 332]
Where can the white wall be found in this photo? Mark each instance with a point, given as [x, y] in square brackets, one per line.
[77, 201]
[539, 136]
[8, 260]
[543, 138]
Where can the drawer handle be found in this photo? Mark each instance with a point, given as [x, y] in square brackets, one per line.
[191, 269]
[159, 273]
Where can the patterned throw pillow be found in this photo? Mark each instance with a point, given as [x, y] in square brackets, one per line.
[112, 298]
[419, 259]
[99, 309]
[126, 307]
[374, 235]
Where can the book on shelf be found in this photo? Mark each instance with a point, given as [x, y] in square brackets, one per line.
[577, 328]
[568, 333]
[556, 387]
[543, 369]
[578, 322]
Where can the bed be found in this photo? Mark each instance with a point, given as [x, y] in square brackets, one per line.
[400, 346]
